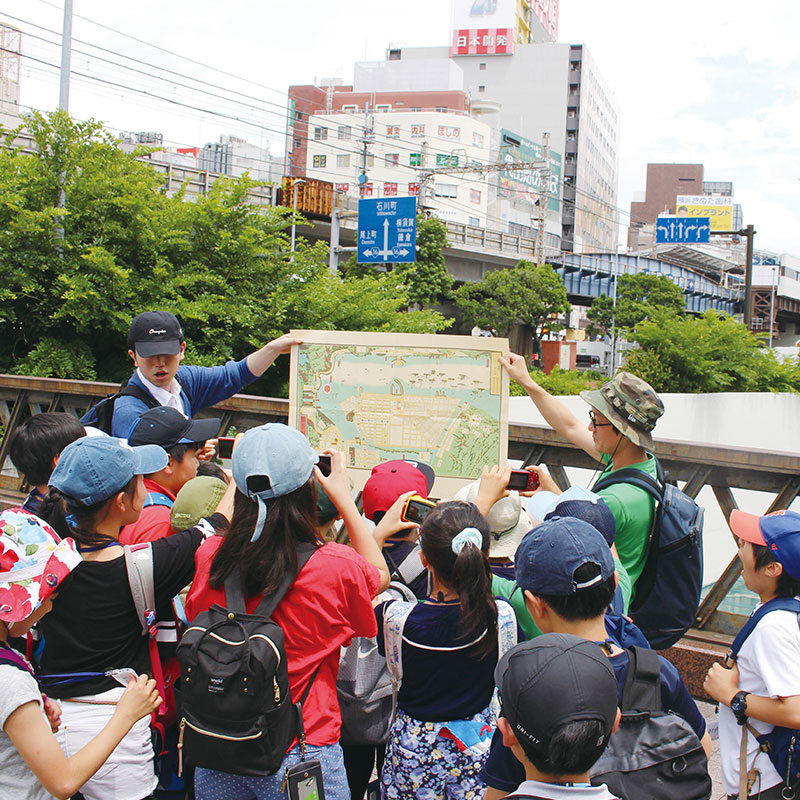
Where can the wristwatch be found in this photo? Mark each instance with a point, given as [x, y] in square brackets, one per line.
[739, 707]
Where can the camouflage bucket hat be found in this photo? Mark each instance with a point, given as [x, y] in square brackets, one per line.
[631, 405]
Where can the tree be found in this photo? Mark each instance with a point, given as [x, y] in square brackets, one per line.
[637, 296]
[427, 280]
[220, 263]
[711, 353]
[526, 295]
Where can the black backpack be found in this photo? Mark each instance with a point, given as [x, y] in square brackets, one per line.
[101, 414]
[653, 753]
[237, 712]
[667, 593]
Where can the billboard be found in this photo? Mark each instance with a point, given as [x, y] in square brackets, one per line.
[547, 12]
[718, 209]
[528, 182]
[483, 27]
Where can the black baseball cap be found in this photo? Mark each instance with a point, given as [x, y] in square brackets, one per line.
[168, 427]
[554, 679]
[155, 333]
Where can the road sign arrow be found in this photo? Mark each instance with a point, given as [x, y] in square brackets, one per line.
[386, 251]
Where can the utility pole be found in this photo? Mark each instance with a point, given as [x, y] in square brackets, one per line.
[749, 232]
[367, 136]
[544, 195]
[66, 57]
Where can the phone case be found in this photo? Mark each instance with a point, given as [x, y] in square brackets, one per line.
[304, 781]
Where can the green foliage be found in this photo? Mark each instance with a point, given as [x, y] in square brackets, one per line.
[75, 276]
[526, 295]
[562, 381]
[637, 296]
[711, 353]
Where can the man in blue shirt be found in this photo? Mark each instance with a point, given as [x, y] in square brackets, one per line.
[157, 346]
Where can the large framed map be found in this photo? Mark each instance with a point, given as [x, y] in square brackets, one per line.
[379, 396]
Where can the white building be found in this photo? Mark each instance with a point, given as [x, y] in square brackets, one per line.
[388, 153]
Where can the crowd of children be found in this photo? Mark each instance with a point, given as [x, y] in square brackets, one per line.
[508, 646]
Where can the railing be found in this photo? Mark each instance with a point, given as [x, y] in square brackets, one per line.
[723, 468]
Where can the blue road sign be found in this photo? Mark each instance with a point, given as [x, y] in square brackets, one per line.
[387, 230]
[683, 230]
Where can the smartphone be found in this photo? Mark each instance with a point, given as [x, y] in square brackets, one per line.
[324, 464]
[225, 446]
[416, 509]
[523, 481]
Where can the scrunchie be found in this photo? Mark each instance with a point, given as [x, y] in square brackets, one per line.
[465, 537]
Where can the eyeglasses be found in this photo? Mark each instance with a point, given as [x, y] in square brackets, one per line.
[593, 421]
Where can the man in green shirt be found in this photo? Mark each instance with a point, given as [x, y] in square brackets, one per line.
[623, 413]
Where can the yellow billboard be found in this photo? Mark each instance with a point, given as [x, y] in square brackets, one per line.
[719, 210]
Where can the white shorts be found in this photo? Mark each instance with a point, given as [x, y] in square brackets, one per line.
[128, 774]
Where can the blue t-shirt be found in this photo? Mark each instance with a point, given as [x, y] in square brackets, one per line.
[502, 770]
[507, 571]
[442, 678]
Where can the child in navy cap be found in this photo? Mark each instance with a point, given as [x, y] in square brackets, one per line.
[762, 689]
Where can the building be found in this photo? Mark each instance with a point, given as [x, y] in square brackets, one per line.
[677, 189]
[234, 156]
[10, 50]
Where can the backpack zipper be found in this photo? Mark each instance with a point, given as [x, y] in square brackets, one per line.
[214, 735]
[238, 644]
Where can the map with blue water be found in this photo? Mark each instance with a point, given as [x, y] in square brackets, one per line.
[375, 402]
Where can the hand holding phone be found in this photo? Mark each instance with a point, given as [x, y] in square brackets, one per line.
[225, 446]
[324, 464]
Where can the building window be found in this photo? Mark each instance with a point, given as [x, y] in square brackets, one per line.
[342, 160]
[390, 190]
[477, 139]
[370, 162]
[474, 195]
[320, 134]
[446, 190]
[343, 132]
[413, 188]
[298, 143]
[298, 115]
[391, 159]
[417, 131]
[446, 160]
[394, 54]
[320, 162]
[482, 65]
[442, 109]
[393, 131]
[481, 89]
[416, 108]
[350, 109]
[415, 160]
[382, 108]
[474, 222]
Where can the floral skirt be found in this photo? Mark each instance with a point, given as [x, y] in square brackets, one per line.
[425, 761]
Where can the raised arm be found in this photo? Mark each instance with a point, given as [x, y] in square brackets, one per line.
[258, 361]
[557, 415]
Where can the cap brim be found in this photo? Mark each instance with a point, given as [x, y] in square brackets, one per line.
[166, 347]
[747, 526]
[426, 470]
[150, 458]
[200, 430]
[507, 544]
[542, 503]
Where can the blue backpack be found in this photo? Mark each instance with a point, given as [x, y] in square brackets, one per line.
[782, 745]
[668, 591]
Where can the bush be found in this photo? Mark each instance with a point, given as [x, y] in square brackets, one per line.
[562, 381]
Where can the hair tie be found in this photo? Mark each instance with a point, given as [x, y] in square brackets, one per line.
[465, 537]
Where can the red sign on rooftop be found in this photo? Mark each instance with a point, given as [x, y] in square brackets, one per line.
[482, 42]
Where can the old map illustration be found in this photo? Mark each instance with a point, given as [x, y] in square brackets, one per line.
[378, 396]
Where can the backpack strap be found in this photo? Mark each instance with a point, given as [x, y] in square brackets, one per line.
[776, 604]
[636, 477]
[411, 567]
[132, 390]
[642, 691]
[158, 499]
[139, 566]
[395, 615]
[12, 658]
[234, 589]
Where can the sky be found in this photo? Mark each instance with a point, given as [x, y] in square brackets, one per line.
[695, 82]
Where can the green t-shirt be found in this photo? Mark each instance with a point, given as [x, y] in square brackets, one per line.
[625, 585]
[633, 509]
[503, 587]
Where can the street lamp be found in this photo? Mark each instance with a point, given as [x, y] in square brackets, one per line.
[295, 184]
[772, 305]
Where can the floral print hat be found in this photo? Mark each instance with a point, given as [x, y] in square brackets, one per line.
[33, 562]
